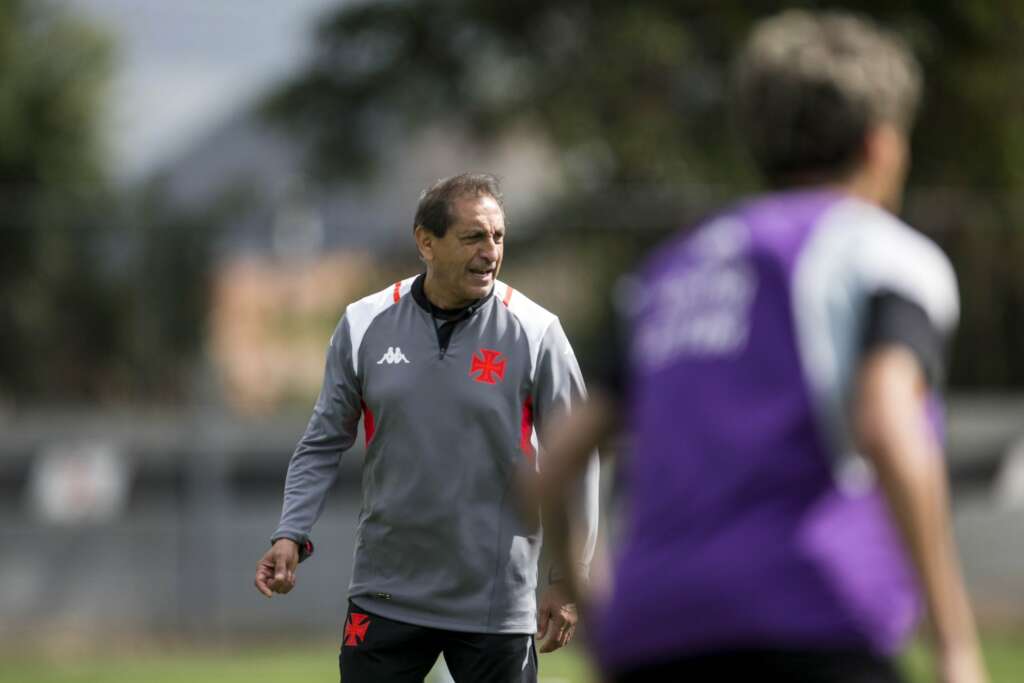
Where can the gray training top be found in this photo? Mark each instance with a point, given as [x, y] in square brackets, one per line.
[441, 541]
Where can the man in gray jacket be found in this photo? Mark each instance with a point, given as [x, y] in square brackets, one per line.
[453, 373]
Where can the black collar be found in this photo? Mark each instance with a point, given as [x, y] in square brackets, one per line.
[446, 314]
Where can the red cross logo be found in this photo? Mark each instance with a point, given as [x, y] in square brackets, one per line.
[355, 628]
[487, 366]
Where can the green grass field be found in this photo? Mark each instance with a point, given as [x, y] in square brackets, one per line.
[244, 665]
[1004, 654]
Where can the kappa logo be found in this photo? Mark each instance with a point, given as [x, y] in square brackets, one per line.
[488, 365]
[355, 628]
[393, 356]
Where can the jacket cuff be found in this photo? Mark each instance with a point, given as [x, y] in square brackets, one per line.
[305, 544]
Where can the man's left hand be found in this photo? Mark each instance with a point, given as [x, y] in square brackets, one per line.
[556, 620]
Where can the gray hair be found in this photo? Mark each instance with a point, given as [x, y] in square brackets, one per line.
[810, 85]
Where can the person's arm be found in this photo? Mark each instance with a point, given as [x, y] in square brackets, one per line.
[890, 430]
[331, 430]
[558, 391]
[912, 307]
[569, 452]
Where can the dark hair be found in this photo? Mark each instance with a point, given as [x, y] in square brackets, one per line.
[808, 86]
[434, 211]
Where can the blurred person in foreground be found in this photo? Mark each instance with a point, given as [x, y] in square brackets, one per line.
[450, 371]
[786, 506]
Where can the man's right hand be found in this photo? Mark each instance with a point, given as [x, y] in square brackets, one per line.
[275, 572]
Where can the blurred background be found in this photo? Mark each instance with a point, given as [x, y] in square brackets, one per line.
[191, 192]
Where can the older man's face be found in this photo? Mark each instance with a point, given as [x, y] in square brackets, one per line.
[463, 265]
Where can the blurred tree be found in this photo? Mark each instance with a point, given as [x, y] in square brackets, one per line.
[632, 96]
[601, 81]
[104, 294]
[54, 72]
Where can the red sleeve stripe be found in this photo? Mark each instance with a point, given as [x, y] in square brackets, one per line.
[508, 295]
[526, 431]
[398, 291]
[368, 427]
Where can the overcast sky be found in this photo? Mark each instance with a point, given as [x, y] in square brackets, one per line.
[185, 65]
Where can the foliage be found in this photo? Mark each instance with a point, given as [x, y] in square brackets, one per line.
[54, 71]
[103, 294]
[601, 81]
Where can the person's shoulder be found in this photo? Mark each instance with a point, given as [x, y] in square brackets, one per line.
[534, 317]
[372, 305]
[359, 315]
[875, 224]
[890, 254]
[885, 240]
